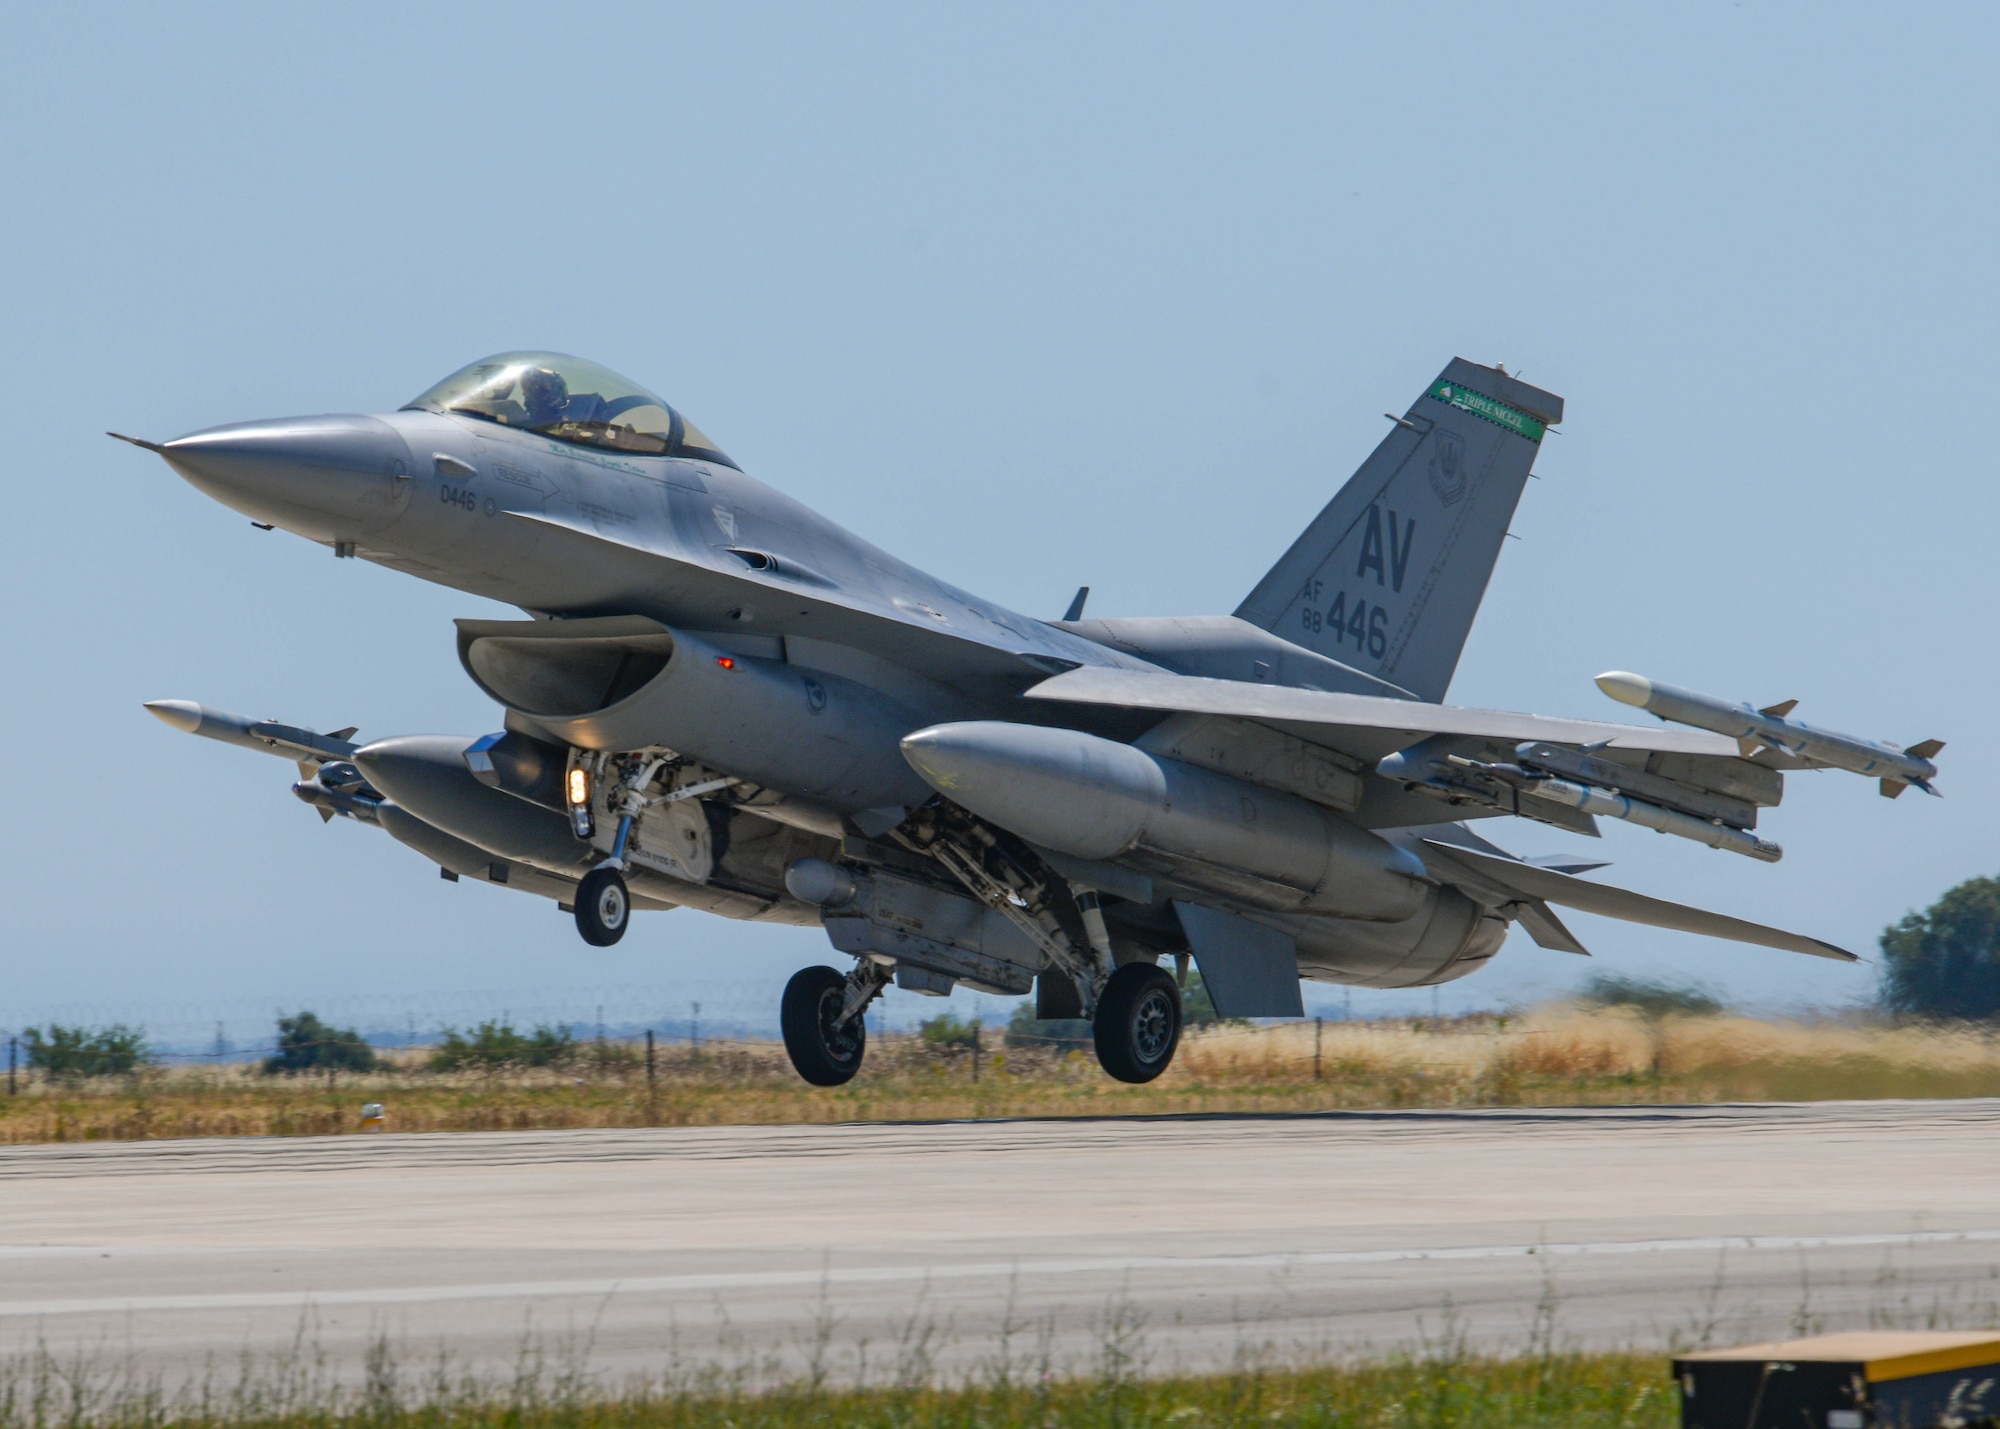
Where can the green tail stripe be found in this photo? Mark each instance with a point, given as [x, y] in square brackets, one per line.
[1489, 409]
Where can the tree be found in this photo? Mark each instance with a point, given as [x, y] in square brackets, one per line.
[73, 1052]
[497, 1044]
[305, 1044]
[1945, 961]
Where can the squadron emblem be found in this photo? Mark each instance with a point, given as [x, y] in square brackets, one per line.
[1448, 466]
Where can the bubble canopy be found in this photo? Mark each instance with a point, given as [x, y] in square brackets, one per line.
[568, 400]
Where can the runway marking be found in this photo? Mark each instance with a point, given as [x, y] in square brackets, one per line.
[993, 1270]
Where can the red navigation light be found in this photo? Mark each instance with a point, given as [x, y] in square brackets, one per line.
[727, 662]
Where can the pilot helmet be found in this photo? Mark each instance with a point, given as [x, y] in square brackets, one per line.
[544, 394]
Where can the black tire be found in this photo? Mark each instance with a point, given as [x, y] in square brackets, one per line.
[603, 907]
[823, 1056]
[1138, 1023]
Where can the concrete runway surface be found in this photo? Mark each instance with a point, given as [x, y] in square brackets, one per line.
[905, 1248]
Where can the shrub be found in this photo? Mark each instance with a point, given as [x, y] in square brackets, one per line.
[1654, 999]
[947, 1032]
[1945, 961]
[497, 1044]
[305, 1044]
[1024, 1029]
[73, 1052]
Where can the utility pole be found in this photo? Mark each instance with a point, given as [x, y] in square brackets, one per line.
[694, 1030]
[1319, 1029]
[13, 1051]
[649, 1062]
[975, 1052]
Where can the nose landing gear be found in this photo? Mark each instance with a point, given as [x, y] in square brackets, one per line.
[603, 907]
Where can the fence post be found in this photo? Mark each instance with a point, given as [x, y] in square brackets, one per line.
[652, 1088]
[1319, 1027]
[975, 1051]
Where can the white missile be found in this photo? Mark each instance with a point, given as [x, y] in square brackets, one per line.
[1612, 805]
[1759, 729]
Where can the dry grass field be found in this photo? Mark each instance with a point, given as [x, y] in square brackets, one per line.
[1565, 1055]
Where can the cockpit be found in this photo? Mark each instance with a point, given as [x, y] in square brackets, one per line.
[568, 400]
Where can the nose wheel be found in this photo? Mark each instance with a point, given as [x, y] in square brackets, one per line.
[1137, 1025]
[603, 907]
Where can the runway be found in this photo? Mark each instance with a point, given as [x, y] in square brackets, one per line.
[878, 1250]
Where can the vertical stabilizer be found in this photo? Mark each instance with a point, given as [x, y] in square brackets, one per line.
[1389, 576]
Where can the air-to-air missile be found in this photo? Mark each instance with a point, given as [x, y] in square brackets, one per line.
[1756, 730]
[1531, 776]
[268, 736]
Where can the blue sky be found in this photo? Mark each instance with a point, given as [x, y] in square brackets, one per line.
[1036, 296]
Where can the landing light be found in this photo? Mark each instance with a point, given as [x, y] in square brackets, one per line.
[579, 787]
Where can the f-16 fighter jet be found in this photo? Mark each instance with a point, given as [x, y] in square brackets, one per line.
[724, 701]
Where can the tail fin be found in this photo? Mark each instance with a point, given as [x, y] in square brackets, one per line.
[1389, 576]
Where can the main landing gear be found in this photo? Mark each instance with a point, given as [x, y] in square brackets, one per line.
[821, 1016]
[1137, 1025]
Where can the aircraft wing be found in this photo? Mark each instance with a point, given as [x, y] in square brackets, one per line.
[1457, 864]
[1441, 749]
[1364, 727]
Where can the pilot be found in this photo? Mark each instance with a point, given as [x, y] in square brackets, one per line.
[545, 395]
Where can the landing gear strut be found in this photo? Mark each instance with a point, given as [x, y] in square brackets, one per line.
[1137, 1024]
[603, 907]
[821, 1017]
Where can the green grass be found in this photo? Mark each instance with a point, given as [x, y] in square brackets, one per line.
[1442, 1391]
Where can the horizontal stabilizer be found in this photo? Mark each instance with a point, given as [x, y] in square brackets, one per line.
[1532, 882]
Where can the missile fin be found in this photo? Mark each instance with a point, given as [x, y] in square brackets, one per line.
[1749, 744]
[325, 814]
[1929, 749]
[347, 733]
[1893, 788]
[1780, 709]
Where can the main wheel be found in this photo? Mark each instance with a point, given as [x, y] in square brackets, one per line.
[1138, 1023]
[603, 907]
[824, 1055]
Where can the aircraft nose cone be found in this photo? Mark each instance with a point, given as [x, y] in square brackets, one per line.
[328, 478]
